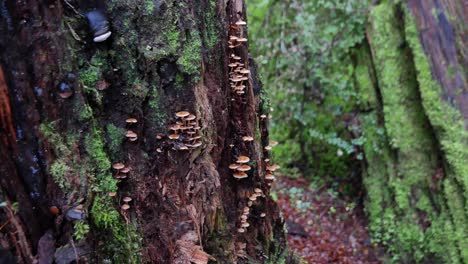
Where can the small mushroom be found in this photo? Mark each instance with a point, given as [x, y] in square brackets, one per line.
[112, 194]
[182, 114]
[125, 207]
[174, 136]
[130, 134]
[127, 199]
[247, 138]
[54, 210]
[234, 166]
[240, 22]
[240, 175]
[245, 224]
[243, 159]
[125, 170]
[118, 166]
[244, 167]
[262, 215]
[258, 190]
[241, 230]
[131, 120]
[65, 90]
[269, 177]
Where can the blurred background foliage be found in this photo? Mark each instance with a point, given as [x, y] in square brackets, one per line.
[304, 51]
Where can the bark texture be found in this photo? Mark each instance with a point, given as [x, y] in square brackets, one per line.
[56, 153]
[411, 75]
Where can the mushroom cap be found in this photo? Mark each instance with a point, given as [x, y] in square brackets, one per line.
[245, 224]
[243, 159]
[233, 38]
[173, 136]
[244, 71]
[182, 114]
[258, 190]
[244, 167]
[133, 139]
[125, 207]
[240, 175]
[266, 160]
[241, 40]
[240, 22]
[196, 145]
[253, 197]
[241, 230]
[127, 199]
[272, 167]
[244, 217]
[118, 166]
[273, 143]
[262, 215]
[247, 138]
[54, 210]
[131, 120]
[183, 147]
[234, 166]
[159, 150]
[131, 134]
[112, 194]
[249, 203]
[268, 148]
[270, 177]
[195, 137]
[191, 117]
[125, 170]
[159, 136]
[263, 116]
[174, 127]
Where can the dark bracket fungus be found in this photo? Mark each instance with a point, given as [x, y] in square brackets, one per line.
[99, 25]
[65, 90]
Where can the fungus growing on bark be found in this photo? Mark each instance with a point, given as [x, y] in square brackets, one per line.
[159, 150]
[131, 120]
[132, 136]
[125, 207]
[174, 136]
[243, 167]
[243, 159]
[182, 114]
[125, 170]
[269, 177]
[234, 166]
[112, 194]
[65, 90]
[127, 199]
[241, 230]
[247, 138]
[262, 215]
[99, 25]
[240, 22]
[263, 116]
[118, 166]
[240, 175]
[54, 210]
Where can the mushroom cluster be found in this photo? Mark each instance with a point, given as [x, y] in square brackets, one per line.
[125, 206]
[246, 210]
[185, 133]
[270, 169]
[238, 72]
[240, 167]
[120, 171]
[132, 136]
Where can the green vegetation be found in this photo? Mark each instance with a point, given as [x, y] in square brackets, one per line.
[348, 102]
[308, 72]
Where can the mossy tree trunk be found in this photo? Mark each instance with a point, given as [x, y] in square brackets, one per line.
[410, 75]
[56, 153]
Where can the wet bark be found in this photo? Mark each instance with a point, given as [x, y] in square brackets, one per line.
[56, 176]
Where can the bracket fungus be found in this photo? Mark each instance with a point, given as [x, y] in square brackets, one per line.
[99, 25]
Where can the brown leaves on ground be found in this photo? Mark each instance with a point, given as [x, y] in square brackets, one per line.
[323, 228]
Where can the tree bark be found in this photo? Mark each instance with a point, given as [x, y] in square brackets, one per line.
[57, 153]
[410, 76]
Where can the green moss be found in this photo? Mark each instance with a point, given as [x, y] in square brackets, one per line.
[190, 58]
[58, 170]
[116, 135]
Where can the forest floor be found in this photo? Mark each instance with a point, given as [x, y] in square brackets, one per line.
[322, 227]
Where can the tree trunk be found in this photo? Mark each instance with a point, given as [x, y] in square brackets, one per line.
[410, 73]
[57, 180]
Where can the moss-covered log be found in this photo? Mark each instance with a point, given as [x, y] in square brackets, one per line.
[410, 76]
[61, 197]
